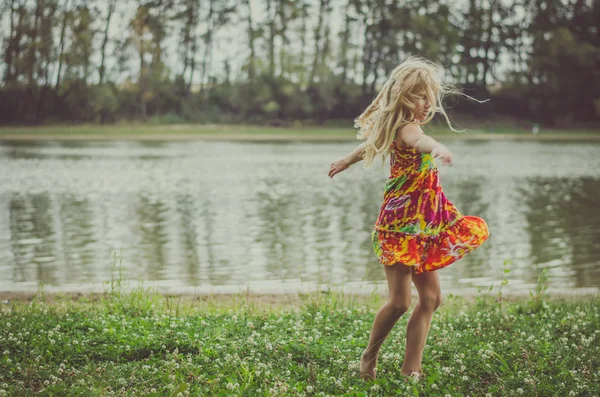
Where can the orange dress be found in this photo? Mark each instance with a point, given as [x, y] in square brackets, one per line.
[417, 225]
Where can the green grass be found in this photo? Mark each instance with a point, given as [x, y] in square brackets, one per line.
[141, 343]
[334, 132]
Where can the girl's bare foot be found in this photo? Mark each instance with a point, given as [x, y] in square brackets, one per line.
[367, 368]
[410, 375]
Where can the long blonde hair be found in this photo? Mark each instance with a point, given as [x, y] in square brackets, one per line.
[394, 105]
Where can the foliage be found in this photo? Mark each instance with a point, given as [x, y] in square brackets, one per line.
[536, 60]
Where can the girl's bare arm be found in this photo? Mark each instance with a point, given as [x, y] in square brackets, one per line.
[345, 162]
[413, 137]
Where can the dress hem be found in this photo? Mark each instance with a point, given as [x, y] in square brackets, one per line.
[430, 252]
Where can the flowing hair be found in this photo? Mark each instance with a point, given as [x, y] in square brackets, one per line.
[394, 106]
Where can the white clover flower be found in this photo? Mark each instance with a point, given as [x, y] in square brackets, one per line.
[309, 389]
[572, 393]
[465, 378]
[520, 391]
[434, 386]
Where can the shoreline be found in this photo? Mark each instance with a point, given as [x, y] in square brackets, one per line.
[286, 137]
[257, 133]
[270, 299]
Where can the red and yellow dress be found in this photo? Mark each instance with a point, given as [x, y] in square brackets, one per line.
[417, 225]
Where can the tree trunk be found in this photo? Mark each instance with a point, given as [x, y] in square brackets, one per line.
[282, 33]
[8, 53]
[61, 46]
[317, 56]
[367, 47]
[111, 8]
[303, 31]
[31, 59]
[207, 43]
[21, 33]
[488, 42]
[189, 34]
[367, 54]
[251, 62]
[272, 33]
[193, 60]
[193, 44]
[344, 45]
[326, 34]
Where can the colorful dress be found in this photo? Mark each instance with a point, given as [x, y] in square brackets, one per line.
[417, 225]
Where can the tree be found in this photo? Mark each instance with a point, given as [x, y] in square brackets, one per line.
[111, 4]
[564, 60]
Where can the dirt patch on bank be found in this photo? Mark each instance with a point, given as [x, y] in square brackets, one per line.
[263, 301]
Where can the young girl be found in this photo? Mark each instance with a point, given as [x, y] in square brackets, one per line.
[418, 231]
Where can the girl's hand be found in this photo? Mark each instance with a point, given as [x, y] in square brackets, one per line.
[338, 167]
[440, 151]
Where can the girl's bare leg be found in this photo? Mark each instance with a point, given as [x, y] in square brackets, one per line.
[398, 278]
[430, 298]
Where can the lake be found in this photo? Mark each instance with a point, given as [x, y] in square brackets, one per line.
[206, 216]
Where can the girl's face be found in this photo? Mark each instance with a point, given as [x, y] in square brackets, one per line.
[422, 106]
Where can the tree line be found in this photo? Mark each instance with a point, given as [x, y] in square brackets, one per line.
[279, 61]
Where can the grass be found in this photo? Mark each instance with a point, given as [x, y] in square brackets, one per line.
[190, 131]
[143, 343]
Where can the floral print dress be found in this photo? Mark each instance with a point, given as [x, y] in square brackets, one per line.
[417, 225]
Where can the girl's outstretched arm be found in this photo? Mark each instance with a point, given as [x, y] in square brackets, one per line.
[345, 162]
[413, 137]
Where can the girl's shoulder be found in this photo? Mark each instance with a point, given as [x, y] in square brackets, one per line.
[408, 133]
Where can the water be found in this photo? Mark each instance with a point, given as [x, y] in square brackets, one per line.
[228, 216]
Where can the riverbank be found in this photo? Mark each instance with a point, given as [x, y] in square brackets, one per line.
[142, 343]
[256, 133]
[277, 301]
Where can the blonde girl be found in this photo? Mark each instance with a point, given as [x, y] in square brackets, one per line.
[418, 230]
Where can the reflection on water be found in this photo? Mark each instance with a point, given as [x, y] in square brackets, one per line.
[205, 214]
